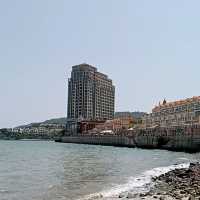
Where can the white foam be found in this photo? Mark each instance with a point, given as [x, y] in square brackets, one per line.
[183, 158]
[140, 183]
[3, 191]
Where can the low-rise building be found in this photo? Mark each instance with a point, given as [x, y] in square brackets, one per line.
[85, 126]
[118, 124]
[40, 129]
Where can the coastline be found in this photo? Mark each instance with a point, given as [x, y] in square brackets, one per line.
[178, 142]
[167, 183]
[180, 183]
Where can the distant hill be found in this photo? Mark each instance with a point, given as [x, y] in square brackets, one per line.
[63, 120]
[56, 121]
[29, 125]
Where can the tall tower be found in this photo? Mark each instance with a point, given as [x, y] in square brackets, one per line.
[91, 94]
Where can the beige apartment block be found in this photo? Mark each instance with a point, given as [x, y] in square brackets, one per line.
[180, 112]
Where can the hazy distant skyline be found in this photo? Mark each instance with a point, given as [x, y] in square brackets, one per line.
[150, 49]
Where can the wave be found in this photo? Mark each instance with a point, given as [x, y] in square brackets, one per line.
[135, 185]
[184, 158]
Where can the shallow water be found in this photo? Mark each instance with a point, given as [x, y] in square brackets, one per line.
[43, 170]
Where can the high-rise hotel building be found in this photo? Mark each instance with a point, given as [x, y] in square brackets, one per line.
[91, 94]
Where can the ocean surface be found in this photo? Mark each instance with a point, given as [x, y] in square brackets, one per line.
[44, 170]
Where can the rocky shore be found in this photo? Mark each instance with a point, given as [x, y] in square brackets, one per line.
[183, 184]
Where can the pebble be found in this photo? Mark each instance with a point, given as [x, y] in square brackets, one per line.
[182, 184]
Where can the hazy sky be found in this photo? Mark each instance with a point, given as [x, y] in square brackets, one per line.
[149, 48]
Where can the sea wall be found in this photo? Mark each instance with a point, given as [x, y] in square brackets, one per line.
[177, 143]
[100, 140]
[175, 138]
[172, 138]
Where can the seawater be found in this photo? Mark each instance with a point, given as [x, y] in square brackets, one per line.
[45, 170]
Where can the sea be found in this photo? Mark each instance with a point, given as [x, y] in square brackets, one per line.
[46, 170]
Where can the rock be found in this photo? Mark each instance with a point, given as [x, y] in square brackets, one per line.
[191, 197]
[98, 196]
[182, 192]
[122, 195]
[193, 164]
[131, 196]
[183, 184]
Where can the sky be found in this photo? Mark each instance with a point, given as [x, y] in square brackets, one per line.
[150, 49]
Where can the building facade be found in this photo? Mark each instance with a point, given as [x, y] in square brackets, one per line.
[91, 94]
[117, 124]
[180, 112]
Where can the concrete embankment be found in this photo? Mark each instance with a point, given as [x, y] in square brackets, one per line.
[120, 141]
[175, 139]
[177, 143]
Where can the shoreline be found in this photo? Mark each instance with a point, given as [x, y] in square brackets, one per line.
[149, 185]
[179, 183]
[183, 184]
[179, 143]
